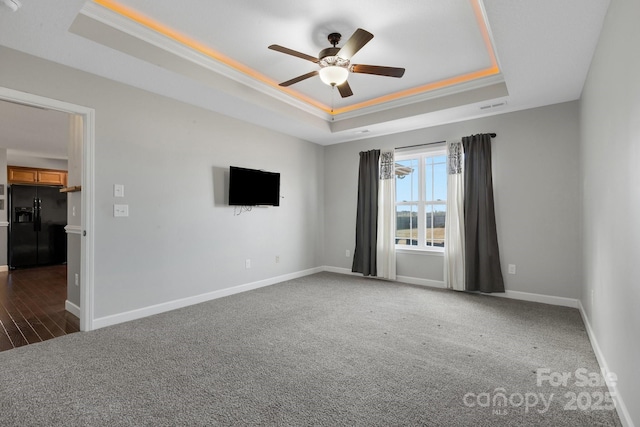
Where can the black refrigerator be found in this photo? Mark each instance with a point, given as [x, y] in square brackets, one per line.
[36, 227]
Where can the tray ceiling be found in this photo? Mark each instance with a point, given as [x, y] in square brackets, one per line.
[440, 44]
[464, 58]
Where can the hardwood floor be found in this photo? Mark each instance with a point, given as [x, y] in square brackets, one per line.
[32, 306]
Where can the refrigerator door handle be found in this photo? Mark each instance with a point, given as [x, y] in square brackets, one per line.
[37, 223]
[35, 214]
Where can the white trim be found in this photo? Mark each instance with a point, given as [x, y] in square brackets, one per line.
[420, 200]
[88, 193]
[427, 150]
[411, 250]
[4, 223]
[402, 279]
[517, 295]
[340, 270]
[121, 23]
[621, 408]
[72, 308]
[87, 244]
[4, 268]
[544, 299]
[139, 313]
[73, 229]
[423, 97]
[422, 282]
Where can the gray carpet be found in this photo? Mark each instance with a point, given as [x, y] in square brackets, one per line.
[326, 350]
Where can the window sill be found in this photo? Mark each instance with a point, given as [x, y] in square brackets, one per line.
[416, 251]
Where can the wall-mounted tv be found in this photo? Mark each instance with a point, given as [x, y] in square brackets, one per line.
[252, 187]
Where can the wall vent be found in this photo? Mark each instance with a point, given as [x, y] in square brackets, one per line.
[496, 105]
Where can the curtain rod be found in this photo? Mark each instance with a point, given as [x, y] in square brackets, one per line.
[421, 145]
[492, 135]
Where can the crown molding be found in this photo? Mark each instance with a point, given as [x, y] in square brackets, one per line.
[147, 35]
[182, 52]
[423, 97]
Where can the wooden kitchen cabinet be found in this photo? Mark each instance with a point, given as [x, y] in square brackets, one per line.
[52, 177]
[22, 175]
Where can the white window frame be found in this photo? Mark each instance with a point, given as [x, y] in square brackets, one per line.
[421, 153]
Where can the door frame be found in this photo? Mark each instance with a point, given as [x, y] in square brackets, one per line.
[87, 242]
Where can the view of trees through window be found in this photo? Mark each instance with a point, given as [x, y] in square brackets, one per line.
[421, 199]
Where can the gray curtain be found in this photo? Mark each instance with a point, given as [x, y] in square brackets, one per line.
[482, 258]
[364, 256]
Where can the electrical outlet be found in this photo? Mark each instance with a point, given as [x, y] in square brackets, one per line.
[277, 259]
[77, 280]
[512, 269]
[120, 210]
[347, 253]
[247, 263]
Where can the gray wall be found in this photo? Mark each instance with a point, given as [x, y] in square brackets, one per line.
[536, 187]
[610, 148]
[179, 240]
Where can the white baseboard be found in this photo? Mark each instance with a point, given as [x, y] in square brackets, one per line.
[545, 299]
[114, 319]
[340, 270]
[623, 412]
[72, 308]
[4, 268]
[524, 296]
[421, 282]
[403, 279]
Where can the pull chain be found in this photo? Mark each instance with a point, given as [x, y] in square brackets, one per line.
[333, 91]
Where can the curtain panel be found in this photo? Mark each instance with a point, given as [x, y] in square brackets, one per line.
[482, 258]
[454, 247]
[386, 247]
[365, 253]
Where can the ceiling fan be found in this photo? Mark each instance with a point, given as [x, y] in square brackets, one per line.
[335, 62]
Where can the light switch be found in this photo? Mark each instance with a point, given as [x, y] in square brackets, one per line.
[118, 190]
[120, 210]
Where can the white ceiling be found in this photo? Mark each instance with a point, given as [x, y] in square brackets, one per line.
[543, 49]
[242, 30]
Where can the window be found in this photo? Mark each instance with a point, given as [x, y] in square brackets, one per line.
[421, 198]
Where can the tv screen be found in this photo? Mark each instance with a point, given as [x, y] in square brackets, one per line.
[252, 187]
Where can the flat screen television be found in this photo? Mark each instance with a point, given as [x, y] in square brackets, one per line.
[252, 187]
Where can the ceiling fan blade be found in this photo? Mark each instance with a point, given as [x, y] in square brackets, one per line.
[345, 90]
[355, 43]
[377, 70]
[299, 79]
[292, 52]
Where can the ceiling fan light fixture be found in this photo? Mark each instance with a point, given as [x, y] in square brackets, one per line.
[335, 62]
[334, 75]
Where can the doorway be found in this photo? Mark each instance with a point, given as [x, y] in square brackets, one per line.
[82, 229]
